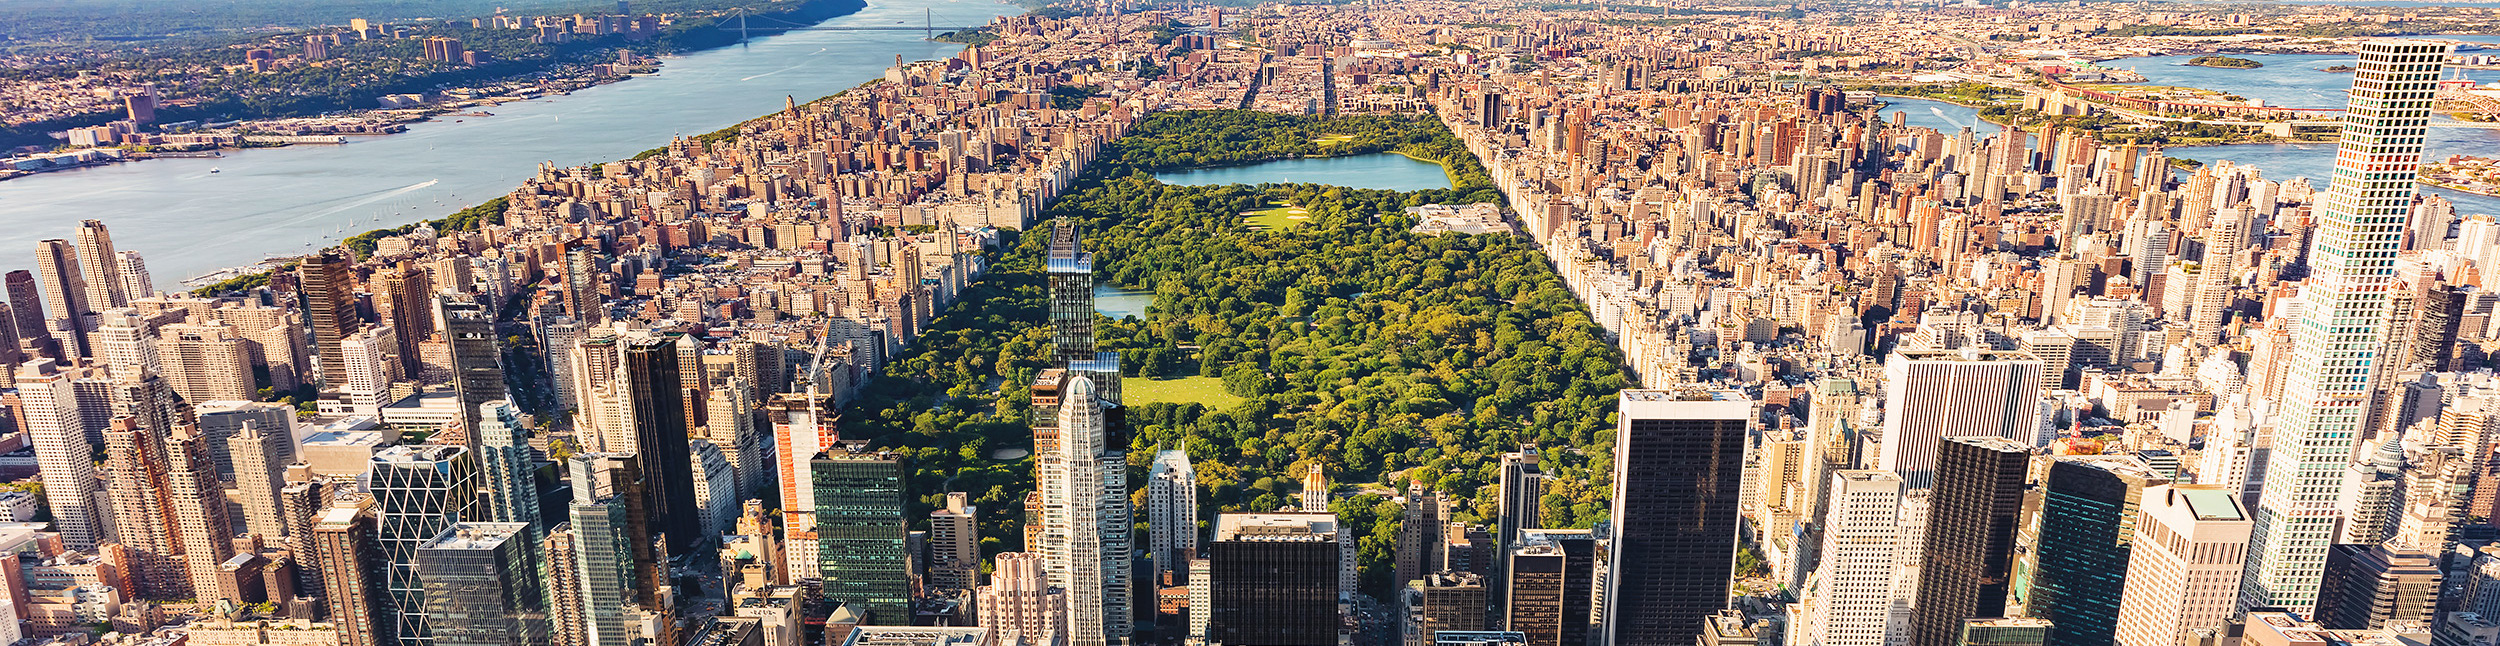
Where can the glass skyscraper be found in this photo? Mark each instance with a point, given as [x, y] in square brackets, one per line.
[1679, 463]
[418, 492]
[482, 586]
[860, 530]
[2088, 510]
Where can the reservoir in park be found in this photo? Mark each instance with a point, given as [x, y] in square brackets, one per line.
[1389, 171]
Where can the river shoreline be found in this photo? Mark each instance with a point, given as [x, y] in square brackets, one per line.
[568, 78]
[288, 203]
[1984, 119]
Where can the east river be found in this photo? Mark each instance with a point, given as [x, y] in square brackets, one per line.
[2286, 80]
[188, 220]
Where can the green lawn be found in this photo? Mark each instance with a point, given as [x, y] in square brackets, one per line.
[1139, 391]
[1331, 140]
[1280, 216]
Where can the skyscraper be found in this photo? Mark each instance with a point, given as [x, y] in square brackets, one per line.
[1445, 601]
[1935, 394]
[205, 532]
[476, 360]
[1171, 509]
[121, 340]
[329, 285]
[1679, 461]
[2191, 543]
[1085, 517]
[1548, 594]
[1019, 603]
[2219, 273]
[347, 550]
[405, 297]
[606, 557]
[1522, 496]
[1519, 504]
[260, 457]
[482, 587]
[568, 622]
[715, 487]
[507, 469]
[1420, 534]
[136, 283]
[419, 491]
[860, 529]
[655, 393]
[101, 266]
[2326, 399]
[63, 454]
[1852, 592]
[304, 500]
[1071, 272]
[582, 275]
[1970, 535]
[2088, 510]
[1274, 580]
[64, 293]
[618, 482]
[135, 482]
[2366, 587]
[26, 305]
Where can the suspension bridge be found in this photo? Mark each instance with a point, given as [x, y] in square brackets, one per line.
[775, 25]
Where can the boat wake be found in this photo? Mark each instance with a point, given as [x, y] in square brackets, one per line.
[377, 197]
[1948, 119]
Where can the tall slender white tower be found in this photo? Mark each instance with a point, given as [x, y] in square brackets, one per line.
[1080, 501]
[2335, 343]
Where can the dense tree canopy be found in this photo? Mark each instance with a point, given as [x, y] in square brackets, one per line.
[1381, 354]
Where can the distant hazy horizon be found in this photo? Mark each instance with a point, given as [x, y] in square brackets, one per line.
[56, 23]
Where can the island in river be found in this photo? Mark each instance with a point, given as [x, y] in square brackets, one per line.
[2224, 61]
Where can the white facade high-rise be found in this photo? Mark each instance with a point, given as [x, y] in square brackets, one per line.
[2326, 398]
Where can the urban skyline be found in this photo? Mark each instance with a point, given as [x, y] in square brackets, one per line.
[1699, 338]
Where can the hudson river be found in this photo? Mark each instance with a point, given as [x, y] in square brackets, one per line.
[290, 201]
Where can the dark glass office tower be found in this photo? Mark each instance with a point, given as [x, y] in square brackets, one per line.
[2088, 508]
[860, 531]
[1071, 272]
[476, 360]
[1274, 580]
[482, 587]
[1978, 505]
[660, 431]
[1561, 565]
[1679, 458]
